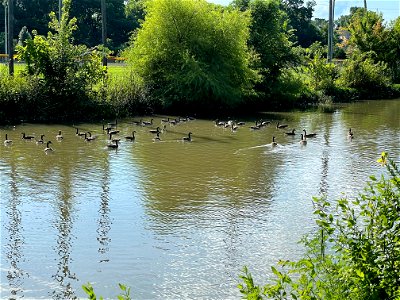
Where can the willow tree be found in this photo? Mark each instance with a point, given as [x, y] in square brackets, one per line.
[193, 53]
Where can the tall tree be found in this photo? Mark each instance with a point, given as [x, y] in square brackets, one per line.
[34, 14]
[300, 16]
[89, 20]
[193, 53]
[269, 37]
[370, 34]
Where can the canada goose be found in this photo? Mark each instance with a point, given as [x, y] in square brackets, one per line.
[264, 123]
[303, 140]
[155, 131]
[82, 133]
[187, 138]
[173, 122]
[110, 131]
[219, 123]
[240, 123]
[90, 137]
[350, 134]
[27, 137]
[113, 146]
[113, 140]
[106, 128]
[165, 120]
[131, 138]
[137, 122]
[255, 127]
[291, 132]
[7, 141]
[41, 141]
[146, 123]
[280, 126]
[59, 136]
[157, 138]
[274, 144]
[48, 149]
[234, 127]
[309, 135]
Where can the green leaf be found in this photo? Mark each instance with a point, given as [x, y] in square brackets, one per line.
[276, 272]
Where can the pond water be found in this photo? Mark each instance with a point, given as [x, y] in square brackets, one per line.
[173, 219]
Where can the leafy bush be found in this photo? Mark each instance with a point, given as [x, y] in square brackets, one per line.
[361, 72]
[354, 254]
[322, 74]
[64, 72]
[193, 53]
[126, 95]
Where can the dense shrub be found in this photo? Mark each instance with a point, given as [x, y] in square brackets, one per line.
[65, 73]
[361, 72]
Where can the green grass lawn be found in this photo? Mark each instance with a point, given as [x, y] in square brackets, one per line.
[116, 70]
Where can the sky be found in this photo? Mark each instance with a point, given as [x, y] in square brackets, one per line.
[390, 9]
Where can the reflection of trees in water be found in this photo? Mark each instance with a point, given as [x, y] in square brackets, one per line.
[16, 240]
[64, 242]
[104, 221]
[323, 186]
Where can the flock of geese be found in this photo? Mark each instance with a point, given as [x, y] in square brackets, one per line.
[112, 132]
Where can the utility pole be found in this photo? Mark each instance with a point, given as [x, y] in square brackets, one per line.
[10, 37]
[365, 4]
[104, 28]
[5, 27]
[330, 31]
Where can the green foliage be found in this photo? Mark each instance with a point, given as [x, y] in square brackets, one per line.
[125, 295]
[88, 16]
[361, 72]
[369, 34]
[65, 72]
[125, 95]
[16, 96]
[300, 15]
[355, 252]
[322, 74]
[270, 39]
[193, 53]
[251, 291]
[35, 16]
